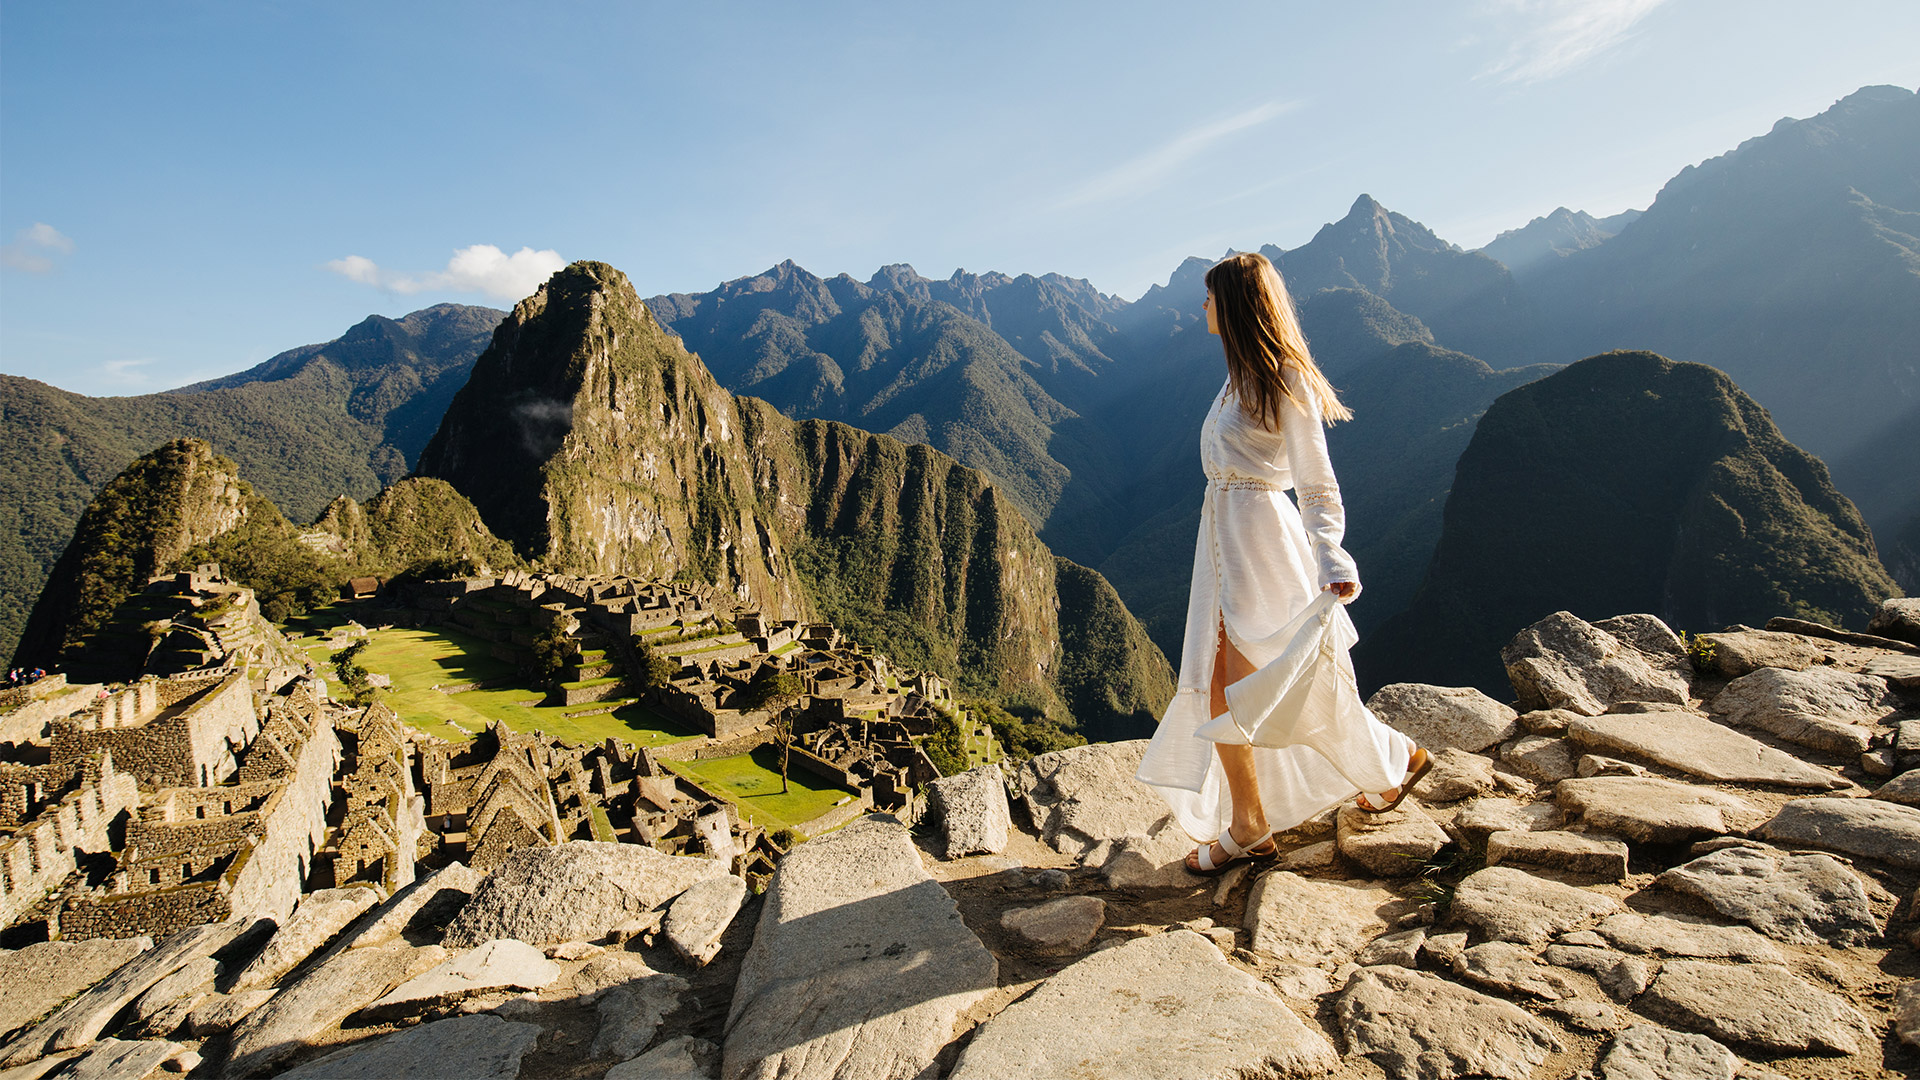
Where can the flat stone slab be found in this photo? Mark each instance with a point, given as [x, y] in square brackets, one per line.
[1621, 976]
[1646, 1052]
[43, 975]
[1513, 905]
[1565, 662]
[479, 1047]
[1456, 775]
[1669, 935]
[1761, 1005]
[327, 994]
[1744, 651]
[1906, 1014]
[573, 892]
[1870, 828]
[1575, 853]
[1901, 671]
[83, 1018]
[1822, 708]
[630, 1014]
[701, 915]
[1801, 899]
[1903, 789]
[1650, 810]
[319, 916]
[1085, 794]
[1700, 747]
[499, 964]
[1057, 927]
[1444, 717]
[119, 1059]
[1168, 1005]
[1482, 818]
[1394, 844]
[1154, 860]
[682, 1058]
[1511, 970]
[860, 965]
[972, 810]
[453, 883]
[1421, 1027]
[216, 1014]
[1544, 759]
[1316, 922]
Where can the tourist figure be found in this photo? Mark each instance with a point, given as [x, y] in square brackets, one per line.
[1266, 728]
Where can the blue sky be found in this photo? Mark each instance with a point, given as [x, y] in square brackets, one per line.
[188, 188]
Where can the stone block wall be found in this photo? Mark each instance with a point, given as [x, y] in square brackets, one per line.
[167, 733]
[41, 855]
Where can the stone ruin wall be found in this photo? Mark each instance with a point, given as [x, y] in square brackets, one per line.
[193, 746]
[269, 885]
[40, 856]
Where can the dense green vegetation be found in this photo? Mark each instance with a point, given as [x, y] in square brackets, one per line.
[1627, 483]
[349, 416]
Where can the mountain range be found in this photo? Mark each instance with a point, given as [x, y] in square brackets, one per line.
[1788, 263]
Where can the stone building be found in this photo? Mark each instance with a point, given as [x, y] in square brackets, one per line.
[51, 816]
[381, 835]
[178, 732]
[490, 796]
[205, 853]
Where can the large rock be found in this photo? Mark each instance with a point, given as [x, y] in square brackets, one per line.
[1870, 828]
[1394, 844]
[1620, 975]
[1168, 1005]
[1156, 859]
[1564, 662]
[496, 965]
[1670, 935]
[860, 965]
[1082, 795]
[1444, 717]
[1835, 711]
[630, 1014]
[1511, 970]
[1575, 853]
[1699, 747]
[450, 886]
[165, 1004]
[1906, 1014]
[1456, 775]
[119, 1059]
[43, 975]
[680, 1058]
[1545, 759]
[327, 994]
[1420, 1027]
[1760, 1005]
[1057, 927]
[701, 915]
[1481, 818]
[1650, 810]
[574, 892]
[319, 917]
[1800, 899]
[972, 811]
[1646, 1052]
[1316, 922]
[1733, 653]
[83, 1018]
[1903, 789]
[479, 1047]
[1898, 618]
[1513, 905]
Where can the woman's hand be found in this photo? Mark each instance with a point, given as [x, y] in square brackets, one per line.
[1344, 590]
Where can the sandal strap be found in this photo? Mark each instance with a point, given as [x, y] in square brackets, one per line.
[1205, 858]
[1227, 845]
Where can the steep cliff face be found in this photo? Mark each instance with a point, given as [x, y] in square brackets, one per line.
[163, 505]
[1627, 482]
[591, 440]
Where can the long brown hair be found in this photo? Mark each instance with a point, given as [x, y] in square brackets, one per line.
[1261, 334]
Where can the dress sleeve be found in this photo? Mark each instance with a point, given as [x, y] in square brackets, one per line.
[1315, 486]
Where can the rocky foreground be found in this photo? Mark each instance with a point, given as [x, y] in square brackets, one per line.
[1671, 861]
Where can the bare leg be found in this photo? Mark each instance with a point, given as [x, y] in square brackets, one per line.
[1249, 817]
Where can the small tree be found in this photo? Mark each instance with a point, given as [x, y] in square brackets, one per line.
[775, 688]
[654, 669]
[551, 651]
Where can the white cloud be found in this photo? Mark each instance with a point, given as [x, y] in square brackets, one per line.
[1144, 173]
[125, 373]
[31, 248]
[1552, 37]
[481, 268]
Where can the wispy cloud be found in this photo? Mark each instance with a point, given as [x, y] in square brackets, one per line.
[126, 373]
[33, 248]
[1139, 175]
[481, 268]
[1549, 38]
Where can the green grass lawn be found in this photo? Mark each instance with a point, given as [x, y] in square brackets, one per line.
[417, 660]
[752, 782]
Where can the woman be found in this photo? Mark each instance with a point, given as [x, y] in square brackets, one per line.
[1258, 567]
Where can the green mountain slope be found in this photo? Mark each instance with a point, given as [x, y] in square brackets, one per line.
[1626, 483]
[593, 441]
[348, 416]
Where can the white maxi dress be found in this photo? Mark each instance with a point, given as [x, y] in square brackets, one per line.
[1259, 566]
